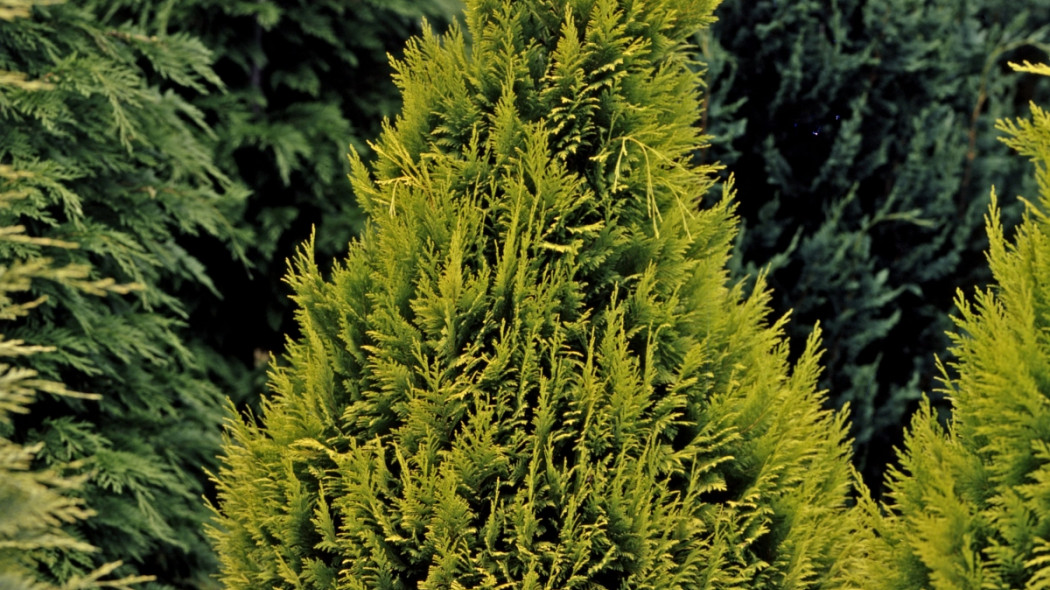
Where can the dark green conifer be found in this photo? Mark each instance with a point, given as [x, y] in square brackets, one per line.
[105, 154]
[531, 370]
[35, 503]
[303, 80]
[970, 506]
[861, 135]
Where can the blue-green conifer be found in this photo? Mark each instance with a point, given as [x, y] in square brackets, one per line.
[861, 133]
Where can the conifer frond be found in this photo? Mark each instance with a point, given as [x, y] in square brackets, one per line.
[1027, 66]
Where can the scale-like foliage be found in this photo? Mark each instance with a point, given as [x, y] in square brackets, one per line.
[112, 162]
[531, 371]
[970, 507]
[303, 79]
[861, 135]
[34, 503]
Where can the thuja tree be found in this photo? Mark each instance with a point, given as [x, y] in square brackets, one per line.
[970, 506]
[303, 79]
[531, 369]
[111, 161]
[861, 132]
[35, 503]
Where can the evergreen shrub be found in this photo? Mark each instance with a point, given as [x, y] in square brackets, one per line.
[107, 155]
[969, 508]
[861, 135]
[302, 79]
[532, 369]
[33, 502]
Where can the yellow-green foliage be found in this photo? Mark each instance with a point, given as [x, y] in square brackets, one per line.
[531, 370]
[970, 507]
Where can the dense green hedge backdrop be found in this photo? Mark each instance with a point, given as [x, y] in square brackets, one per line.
[861, 136]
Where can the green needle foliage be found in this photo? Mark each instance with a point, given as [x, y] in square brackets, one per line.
[303, 79]
[861, 135]
[531, 370]
[35, 503]
[106, 155]
[971, 506]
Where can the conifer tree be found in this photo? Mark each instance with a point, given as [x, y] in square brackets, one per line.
[109, 156]
[970, 506]
[303, 79]
[33, 503]
[861, 132]
[531, 370]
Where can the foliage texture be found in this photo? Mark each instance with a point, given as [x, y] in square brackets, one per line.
[103, 154]
[861, 135]
[531, 370]
[970, 506]
[303, 78]
[34, 504]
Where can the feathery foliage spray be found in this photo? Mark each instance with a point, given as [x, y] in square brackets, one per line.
[106, 154]
[529, 371]
[970, 507]
[34, 503]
